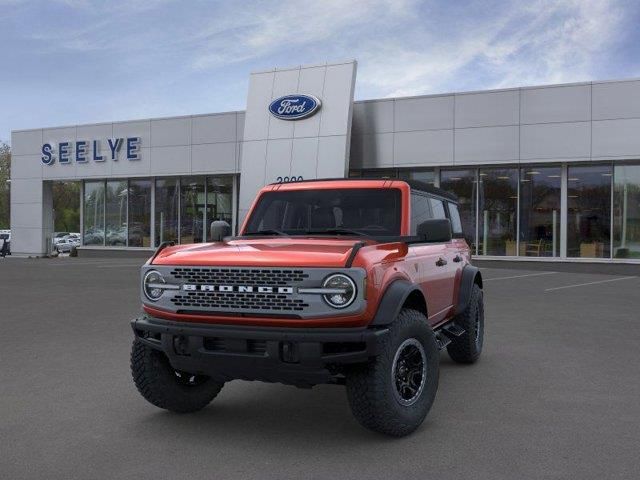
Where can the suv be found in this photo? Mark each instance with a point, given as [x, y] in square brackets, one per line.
[351, 282]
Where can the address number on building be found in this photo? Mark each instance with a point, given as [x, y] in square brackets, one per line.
[288, 179]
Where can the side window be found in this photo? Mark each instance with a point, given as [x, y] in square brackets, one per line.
[437, 207]
[456, 223]
[420, 211]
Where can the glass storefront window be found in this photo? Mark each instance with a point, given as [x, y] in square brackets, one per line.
[626, 211]
[119, 212]
[219, 200]
[426, 176]
[116, 213]
[166, 210]
[93, 212]
[376, 173]
[589, 211]
[192, 210]
[498, 211]
[140, 213]
[540, 193]
[463, 184]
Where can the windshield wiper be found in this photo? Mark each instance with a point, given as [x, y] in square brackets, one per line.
[269, 231]
[337, 231]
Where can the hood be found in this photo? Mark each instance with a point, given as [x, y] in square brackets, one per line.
[264, 252]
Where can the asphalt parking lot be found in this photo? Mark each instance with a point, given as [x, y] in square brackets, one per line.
[555, 395]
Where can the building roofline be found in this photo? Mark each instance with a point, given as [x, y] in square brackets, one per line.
[131, 120]
[499, 90]
[370, 100]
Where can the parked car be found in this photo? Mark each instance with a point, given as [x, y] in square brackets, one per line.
[347, 282]
[65, 245]
[117, 236]
[94, 236]
[58, 236]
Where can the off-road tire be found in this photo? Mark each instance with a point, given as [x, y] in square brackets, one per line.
[370, 387]
[467, 347]
[158, 383]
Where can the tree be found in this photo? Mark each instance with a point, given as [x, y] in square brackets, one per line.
[5, 175]
[66, 206]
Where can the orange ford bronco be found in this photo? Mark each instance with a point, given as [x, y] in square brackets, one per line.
[350, 282]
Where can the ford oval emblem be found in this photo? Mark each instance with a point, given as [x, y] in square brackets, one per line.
[294, 107]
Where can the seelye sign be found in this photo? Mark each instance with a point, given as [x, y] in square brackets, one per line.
[82, 151]
[294, 107]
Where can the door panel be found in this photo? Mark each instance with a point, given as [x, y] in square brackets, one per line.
[434, 276]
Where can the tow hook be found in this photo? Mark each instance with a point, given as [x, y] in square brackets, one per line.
[181, 345]
[289, 352]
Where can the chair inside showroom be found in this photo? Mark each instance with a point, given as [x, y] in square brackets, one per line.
[534, 249]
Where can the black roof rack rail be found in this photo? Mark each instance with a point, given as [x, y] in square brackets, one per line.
[428, 188]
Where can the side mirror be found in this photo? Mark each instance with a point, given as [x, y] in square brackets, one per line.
[435, 230]
[219, 230]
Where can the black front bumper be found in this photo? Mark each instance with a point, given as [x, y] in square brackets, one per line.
[296, 356]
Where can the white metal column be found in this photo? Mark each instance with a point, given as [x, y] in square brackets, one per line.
[477, 208]
[611, 212]
[82, 212]
[234, 206]
[518, 176]
[205, 227]
[563, 210]
[153, 212]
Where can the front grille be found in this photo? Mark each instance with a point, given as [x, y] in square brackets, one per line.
[235, 301]
[238, 301]
[238, 276]
[249, 291]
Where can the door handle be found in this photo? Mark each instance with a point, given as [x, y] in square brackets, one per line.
[441, 262]
[457, 258]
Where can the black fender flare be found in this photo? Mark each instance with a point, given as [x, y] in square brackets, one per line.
[392, 301]
[470, 276]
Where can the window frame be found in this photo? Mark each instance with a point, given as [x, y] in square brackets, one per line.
[454, 234]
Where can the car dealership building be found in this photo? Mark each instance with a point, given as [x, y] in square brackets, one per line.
[549, 172]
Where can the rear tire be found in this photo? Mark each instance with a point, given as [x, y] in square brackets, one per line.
[467, 347]
[161, 385]
[393, 393]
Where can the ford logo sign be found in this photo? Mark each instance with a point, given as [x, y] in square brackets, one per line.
[294, 107]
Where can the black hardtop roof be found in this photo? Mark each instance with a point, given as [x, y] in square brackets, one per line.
[414, 184]
[428, 188]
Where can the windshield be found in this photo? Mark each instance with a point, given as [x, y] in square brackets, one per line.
[356, 211]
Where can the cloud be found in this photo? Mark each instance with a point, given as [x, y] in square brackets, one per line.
[546, 42]
[409, 47]
[134, 58]
[239, 37]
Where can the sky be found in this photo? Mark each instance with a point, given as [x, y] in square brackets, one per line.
[65, 62]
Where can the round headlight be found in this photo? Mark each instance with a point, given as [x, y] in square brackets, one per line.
[344, 290]
[151, 285]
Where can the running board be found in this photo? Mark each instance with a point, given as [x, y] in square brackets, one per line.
[446, 334]
[453, 330]
[442, 340]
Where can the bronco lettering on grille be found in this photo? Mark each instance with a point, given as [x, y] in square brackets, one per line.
[237, 289]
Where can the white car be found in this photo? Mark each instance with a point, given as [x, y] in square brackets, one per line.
[58, 236]
[65, 245]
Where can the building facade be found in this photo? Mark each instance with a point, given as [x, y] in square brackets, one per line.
[549, 172]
